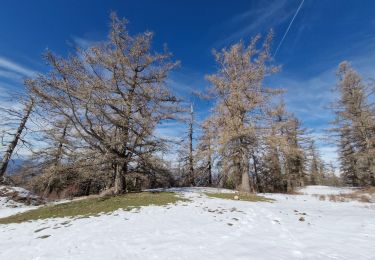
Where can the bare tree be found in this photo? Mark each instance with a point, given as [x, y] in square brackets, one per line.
[205, 152]
[240, 99]
[114, 94]
[10, 115]
[191, 151]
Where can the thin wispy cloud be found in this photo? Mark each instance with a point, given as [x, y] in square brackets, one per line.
[310, 97]
[83, 42]
[264, 17]
[180, 88]
[10, 75]
[13, 68]
[290, 25]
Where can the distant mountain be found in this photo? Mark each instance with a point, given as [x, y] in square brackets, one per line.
[15, 165]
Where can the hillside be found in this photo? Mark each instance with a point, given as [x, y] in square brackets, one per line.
[318, 223]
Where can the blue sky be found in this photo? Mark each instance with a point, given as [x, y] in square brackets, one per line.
[323, 34]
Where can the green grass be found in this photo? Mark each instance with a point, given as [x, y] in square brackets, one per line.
[94, 206]
[241, 196]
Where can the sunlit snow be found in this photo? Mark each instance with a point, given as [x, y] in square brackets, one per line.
[205, 228]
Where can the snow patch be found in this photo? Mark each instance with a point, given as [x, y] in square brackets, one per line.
[10, 207]
[204, 228]
[325, 190]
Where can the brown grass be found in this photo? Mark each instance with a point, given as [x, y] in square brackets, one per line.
[365, 195]
[369, 190]
[95, 206]
[239, 196]
[322, 197]
[294, 192]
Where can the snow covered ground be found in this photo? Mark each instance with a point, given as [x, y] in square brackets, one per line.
[325, 190]
[206, 228]
[9, 207]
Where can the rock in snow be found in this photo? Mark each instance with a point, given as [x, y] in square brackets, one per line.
[205, 228]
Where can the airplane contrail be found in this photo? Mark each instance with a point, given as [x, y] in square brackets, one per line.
[287, 30]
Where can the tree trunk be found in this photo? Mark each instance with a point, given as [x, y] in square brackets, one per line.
[191, 161]
[120, 181]
[8, 153]
[255, 161]
[209, 171]
[152, 180]
[245, 182]
[245, 178]
[60, 146]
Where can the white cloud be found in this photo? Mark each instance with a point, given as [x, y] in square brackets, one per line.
[264, 17]
[10, 69]
[82, 42]
[309, 97]
[172, 131]
[10, 75]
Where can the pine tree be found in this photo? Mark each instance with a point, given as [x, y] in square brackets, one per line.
[284, 159]
[114, 95]
[240, 97]
[317, 169]
[355, 128]
[205, 152]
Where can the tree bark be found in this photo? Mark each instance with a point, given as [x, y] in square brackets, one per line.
[60, 146]
[120, 181]
[245, 178]
[257, 185]
[245, 182]
[191, 161]
[12, 146]
[209, 171]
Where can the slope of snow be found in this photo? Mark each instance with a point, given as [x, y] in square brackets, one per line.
[9, 207]
[325, 190]
[204, 228]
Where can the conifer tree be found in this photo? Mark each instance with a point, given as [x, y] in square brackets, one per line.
[240, 98]
[114, 95]
[355, 128]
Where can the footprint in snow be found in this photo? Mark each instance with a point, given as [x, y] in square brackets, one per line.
[43, 237]
[40, 229]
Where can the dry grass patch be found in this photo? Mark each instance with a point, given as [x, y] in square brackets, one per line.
[95, 206]
[368, 190]
[239, 196]
[365, 195]
[294, 192]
